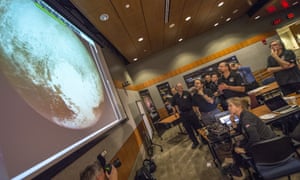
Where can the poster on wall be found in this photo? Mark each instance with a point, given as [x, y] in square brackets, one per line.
[199, 73]
[150, 106]
[164, 90]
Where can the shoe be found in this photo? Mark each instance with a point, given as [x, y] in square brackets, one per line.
[233, 170]
[227, 162]
[195, 145]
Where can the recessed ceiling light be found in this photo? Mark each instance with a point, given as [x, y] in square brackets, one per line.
[180, 39]
[188, 18]
[257, 17]
[172, 25]
[140, 39]
[145, 50]
[216, 24]
[295, 3]
[127, 6]
[220, 4]
[228, 19]
[135, 59]
[235, 11]
[104, 17]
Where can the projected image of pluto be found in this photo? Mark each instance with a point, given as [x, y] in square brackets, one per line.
[49, 66]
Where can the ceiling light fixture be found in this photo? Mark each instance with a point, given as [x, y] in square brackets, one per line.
[135, 59]
[295, 3]
[257, 17]
[216, 24]
[104, 17]
[220, 4]
[127, 6]
[188, 18]
[235, 11]
[172, 25]
[228, 19]
[180, 39]
[167, 11]
[140, 39]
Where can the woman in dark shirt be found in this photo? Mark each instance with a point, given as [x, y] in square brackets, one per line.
[252, 128]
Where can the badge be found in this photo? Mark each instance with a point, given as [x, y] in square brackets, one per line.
[231, 79]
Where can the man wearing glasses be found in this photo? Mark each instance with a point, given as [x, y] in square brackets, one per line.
[283, 64]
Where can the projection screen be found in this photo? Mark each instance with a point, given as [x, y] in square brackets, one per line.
[56, 91]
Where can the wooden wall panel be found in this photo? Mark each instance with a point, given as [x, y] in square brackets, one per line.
[129, 152]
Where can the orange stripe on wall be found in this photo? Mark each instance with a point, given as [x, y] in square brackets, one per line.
[199, 62]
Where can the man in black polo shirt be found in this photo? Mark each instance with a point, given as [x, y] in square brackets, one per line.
[230, 84]
[204, 103]
[182, 101]
[282, 63]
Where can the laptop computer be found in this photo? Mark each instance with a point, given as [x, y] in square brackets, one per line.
[224, 118]
[278, 105]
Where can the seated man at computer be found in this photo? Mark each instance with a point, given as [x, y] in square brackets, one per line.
[253, 128]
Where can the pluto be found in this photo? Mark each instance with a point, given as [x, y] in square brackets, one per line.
[49, 65]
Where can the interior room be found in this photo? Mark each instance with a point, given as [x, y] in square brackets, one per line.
[83, 79]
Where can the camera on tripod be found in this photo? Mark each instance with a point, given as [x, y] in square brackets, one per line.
[108, 166]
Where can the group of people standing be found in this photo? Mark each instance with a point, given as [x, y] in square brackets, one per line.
[230, 91]
[203, 99]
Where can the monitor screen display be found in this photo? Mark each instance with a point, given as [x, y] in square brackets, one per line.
[56, 92]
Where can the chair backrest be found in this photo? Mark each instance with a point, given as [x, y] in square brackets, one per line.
[272, 151]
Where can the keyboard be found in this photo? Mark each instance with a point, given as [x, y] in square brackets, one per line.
[285, 109]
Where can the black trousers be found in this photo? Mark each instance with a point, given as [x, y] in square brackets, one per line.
[191, 123]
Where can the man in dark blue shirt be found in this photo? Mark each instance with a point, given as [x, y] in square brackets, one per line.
[182, 101]
[204, 103]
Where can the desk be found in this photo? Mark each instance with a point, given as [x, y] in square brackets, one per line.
[219, 149]
[264, 89]
[261, 110]
[168, 122]
[257, 95]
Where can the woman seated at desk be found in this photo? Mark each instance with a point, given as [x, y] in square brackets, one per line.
[252, 128]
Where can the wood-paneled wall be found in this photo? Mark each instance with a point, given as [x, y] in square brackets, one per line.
[129, 151]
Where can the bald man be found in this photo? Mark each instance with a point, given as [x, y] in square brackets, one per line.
[182, 101]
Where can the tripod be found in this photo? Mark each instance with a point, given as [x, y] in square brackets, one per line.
[149, 145]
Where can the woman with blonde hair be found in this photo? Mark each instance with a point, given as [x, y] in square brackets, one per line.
[251, 126]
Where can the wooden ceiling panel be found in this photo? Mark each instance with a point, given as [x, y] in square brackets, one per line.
[175, 17]
[154, 17]
[191, 8]
[132, 19]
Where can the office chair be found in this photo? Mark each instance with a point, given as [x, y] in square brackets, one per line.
[273, 158]
[149, 145]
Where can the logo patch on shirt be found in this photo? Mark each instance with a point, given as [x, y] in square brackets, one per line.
[231, 79]
[247, 125]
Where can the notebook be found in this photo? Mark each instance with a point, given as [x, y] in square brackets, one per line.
[224, 118]
[278, 105]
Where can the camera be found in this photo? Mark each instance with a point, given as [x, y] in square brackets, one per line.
[107, 166]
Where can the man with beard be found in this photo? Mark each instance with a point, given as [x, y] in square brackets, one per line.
[204, 103]
[230, 84]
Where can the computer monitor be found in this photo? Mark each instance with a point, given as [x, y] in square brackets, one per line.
[224, 118]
